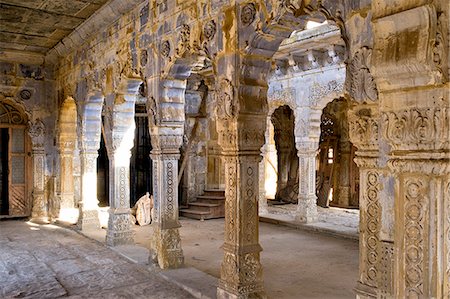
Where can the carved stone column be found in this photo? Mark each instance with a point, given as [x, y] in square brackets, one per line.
[88, 218]
[120, 126]
[89, 145]
[119, 230]
[307, 199]
[166, 241]
[241, 272]
[364, 133]
[344, 173]
[67, 177]
[166, 119]
[39, 211]
[414, 106]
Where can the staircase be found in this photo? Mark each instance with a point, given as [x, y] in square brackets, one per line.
[210, 205]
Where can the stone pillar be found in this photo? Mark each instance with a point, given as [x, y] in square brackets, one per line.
[167, 137]
[67, 177]
[39, 211]
[119, 230]
[241, 271]
[414, 107]
[88, 216]
[89, 144]
[166, 242]
[307, 199]
[344, 173]
[120, 126]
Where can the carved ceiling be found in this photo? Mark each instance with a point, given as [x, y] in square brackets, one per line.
[38, 25]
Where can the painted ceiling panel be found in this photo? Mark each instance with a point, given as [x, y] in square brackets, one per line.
[38, 25]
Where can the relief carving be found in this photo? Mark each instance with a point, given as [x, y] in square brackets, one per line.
[418, 128]
[248, 14]
[371, 228]
[415, 234]
[318, 92]
[226, 106]
[363, 129]
[362, 84]
[209, 30]
[36, 130]
[165, 49]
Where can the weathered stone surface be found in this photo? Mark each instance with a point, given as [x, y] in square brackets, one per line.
[66, 264]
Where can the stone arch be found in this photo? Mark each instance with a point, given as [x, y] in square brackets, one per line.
[166, 109]
[67, 139]
[15, 164]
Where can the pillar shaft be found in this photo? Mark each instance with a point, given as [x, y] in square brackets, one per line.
[119, 230]
[40, 206]
[307, 199]
[67, 179]
[167, 251]
[88, 218]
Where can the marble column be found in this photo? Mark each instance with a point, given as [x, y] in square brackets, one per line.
[88, 216]
[307, 199]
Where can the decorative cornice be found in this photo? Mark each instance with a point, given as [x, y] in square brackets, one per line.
[102, 18]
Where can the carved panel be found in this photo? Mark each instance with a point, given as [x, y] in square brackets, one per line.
[362, 85]
[386, 284]
[418, 128]
[371, 225]
[416, 234]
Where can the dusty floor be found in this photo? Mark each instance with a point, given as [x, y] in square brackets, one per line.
[50, 262]
[297, 264]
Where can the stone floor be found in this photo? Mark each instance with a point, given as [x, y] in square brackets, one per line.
[335, 221]
[297, 263]
[47, 261]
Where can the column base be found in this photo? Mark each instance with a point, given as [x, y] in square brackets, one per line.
[226, 294]
[241, 273]
[307, 210]
[88, 220]
[166, 248]
[119, 230]
[365, 292]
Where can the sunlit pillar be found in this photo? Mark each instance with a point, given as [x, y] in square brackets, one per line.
[88, 206]
[307, 199]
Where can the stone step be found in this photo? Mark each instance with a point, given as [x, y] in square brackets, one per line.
[197, 214]
[204, 204]
[214, 192]
[210, 197]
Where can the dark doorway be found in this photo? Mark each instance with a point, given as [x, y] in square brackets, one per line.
[4, 196]
[141, 164]
[103, 175]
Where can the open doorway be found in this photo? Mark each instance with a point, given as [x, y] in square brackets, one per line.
[15, 163]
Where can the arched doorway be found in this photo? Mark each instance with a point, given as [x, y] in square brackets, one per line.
[15, 163]
[287, 160]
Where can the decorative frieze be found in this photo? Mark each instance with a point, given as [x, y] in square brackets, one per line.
[417, 128]
[363, 128]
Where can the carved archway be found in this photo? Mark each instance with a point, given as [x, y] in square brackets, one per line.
[16, 182]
